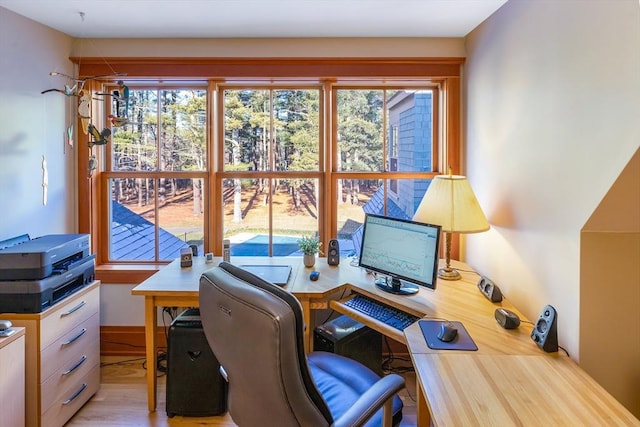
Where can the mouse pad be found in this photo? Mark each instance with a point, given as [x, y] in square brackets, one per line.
[431, 328]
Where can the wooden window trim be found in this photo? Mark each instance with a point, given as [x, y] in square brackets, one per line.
[92, 216]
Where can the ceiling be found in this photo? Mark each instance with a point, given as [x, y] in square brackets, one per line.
[257, 18]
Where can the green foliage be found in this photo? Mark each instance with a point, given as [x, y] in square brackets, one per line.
[176, 142]
[360, 129]
[309, 245]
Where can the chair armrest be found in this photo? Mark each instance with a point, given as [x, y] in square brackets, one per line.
[371, 401]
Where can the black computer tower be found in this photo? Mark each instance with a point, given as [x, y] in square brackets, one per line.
[347, 337]
[194, 385]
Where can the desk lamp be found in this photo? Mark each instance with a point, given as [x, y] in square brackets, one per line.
[450, 203]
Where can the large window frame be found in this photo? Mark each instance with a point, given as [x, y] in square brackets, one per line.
[329, 74]
[158, 171]
[220, 174]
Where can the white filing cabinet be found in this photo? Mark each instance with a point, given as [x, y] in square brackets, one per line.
[12, 372]
[62, 357]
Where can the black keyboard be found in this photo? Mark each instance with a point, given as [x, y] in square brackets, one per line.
[381, 312]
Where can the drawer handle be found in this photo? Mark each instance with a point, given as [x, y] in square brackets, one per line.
[76, 308]
[76, 394]
[81, 333]
[76, 366]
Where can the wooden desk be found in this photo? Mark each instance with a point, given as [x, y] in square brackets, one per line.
[460, 388]
[174, 286]
[455, 300]
[507, 381]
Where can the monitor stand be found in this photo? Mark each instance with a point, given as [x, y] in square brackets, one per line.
[396, 286]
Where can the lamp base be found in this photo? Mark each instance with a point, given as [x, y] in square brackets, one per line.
[449, 274]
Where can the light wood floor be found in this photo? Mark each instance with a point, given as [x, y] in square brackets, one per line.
[122, 399]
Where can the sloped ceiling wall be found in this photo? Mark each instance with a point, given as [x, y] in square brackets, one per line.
[610, 290]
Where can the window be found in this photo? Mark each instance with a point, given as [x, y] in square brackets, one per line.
[157, 198]
[387, 135]
[271, 138]
[263, 161]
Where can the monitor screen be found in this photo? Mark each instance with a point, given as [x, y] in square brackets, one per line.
[404, 252]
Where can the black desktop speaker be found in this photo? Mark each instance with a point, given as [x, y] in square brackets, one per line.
[489, 289]
[333, 256]
[545, 331]
[506, 318]
[194, 385]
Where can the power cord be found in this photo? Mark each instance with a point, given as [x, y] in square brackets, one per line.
[161, 363]
[122, 362]
[388, 362]
[161, 358]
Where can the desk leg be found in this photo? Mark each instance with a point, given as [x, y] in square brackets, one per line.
[308, 323]
[423, 414]
[150, 322]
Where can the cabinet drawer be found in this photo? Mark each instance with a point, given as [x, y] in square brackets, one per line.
[71, 312]
[68, 401]
[69, 373]
[67, 349]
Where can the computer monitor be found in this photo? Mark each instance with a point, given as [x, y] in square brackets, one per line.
[405, 252]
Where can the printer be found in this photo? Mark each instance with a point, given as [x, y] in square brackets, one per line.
[37, 273]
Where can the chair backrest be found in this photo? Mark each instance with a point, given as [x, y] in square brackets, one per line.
[255, 330]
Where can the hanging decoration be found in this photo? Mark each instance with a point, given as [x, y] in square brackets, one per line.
[75, 88]
[99, 138]
[84, 111]
[121, 103]
[93, 164]
[118, 121]
[45, 181]
[67, 91]
[70, 135]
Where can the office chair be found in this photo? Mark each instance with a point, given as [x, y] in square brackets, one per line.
[255, 330]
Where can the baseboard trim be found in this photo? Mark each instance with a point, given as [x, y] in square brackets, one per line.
[127, 340]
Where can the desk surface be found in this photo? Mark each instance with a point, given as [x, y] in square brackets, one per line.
[5, 341]
[461, 388]
[451, 300]
[173, 279]
[507, 381]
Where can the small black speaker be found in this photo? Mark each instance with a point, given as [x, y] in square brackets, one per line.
[545, 331]
[194, 249]
[333, 256]
[489, 289]
[506, 318]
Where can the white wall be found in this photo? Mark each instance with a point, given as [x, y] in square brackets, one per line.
[272, 48]
[552, 117]
[33, 125]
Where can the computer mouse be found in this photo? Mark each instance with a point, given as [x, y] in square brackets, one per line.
[5, 324]
[448, 332]
[314, 275]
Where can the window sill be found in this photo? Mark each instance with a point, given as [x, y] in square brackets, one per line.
[126, 273]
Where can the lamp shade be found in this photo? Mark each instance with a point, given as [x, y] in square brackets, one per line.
[450, 203]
